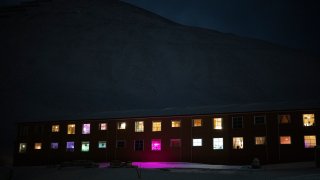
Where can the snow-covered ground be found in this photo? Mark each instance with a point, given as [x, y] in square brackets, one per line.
[303, 171]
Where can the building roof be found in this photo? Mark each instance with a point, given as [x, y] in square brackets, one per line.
[99, 59]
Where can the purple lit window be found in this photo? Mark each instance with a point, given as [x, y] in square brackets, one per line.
[86, 129]
[54, 145]
[156, 145]
[70, 146]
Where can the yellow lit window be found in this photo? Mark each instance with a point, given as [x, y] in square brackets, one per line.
[284, 119]
[310, 141]
[71, 128]
[156, 126]
[238, 143]
[197, 122]
[37, 146]
[139, 126]
[55, 128]
[260, 140]
[122, 125]
[176, 123]
[308, 119]
[217, 123]
[285, 139]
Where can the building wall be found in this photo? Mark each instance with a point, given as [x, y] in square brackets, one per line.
[271, 152]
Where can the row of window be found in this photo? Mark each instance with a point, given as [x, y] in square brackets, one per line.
[237, 122]
[237, 143]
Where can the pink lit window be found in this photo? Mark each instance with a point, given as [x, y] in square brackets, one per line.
[86, 129]
[156, 145]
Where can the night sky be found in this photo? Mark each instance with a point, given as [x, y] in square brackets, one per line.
[291, 23]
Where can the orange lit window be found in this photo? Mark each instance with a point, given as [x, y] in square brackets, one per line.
[156, 126]
[176, 123]
[260, 140]
[37, 146]
[310, 141]
[55, 128]
[197, 122]
[284, 119]
[285, 139]
[217, 123]
[71, 128]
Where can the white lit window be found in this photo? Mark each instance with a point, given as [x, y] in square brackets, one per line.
[310, 141]
[103, 126]
[285, 139]
[238, 143]
[197, 122]
[217, 123]
[122, 125]
[85, 146]
[102, 145]
[37, 146]
[217, 143]
[86, 129]
[176, 123]
[308, 119]
[197, 142]
[22, 147]
[261, 140]
[156, 126]
[139, 126]
[55, 128]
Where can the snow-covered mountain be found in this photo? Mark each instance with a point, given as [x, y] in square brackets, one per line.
[105, 58]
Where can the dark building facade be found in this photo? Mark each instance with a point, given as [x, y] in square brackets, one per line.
[226, 138]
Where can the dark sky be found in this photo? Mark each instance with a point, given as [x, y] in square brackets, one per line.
[292, 23]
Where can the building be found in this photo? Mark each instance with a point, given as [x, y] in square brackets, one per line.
[226, 138]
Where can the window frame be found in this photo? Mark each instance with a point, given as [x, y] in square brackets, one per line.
[234, 123]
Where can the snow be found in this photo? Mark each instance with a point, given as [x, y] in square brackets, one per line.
[304, 171]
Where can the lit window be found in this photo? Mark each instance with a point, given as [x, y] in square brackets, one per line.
[86, 129]
[54, 145]
[122, 125]
[121, 143]
[284, 119]
[217, 143]
[197, 142]
[308, 119]
[70, 146]
[237, 122]
[238, 143]
[138, 145]
[261, 140]
[85, 146]
[156, 126]
[55, 128]
[285, 139]
[139, 126]
[71, 128]
[22, 147]
[156, 145]
[102, 144]
[197, 122]
[310, 141]
[259, 120]
[103, 126]
[217, 123]
[37, 146]
[175, 143]
[176, 123]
